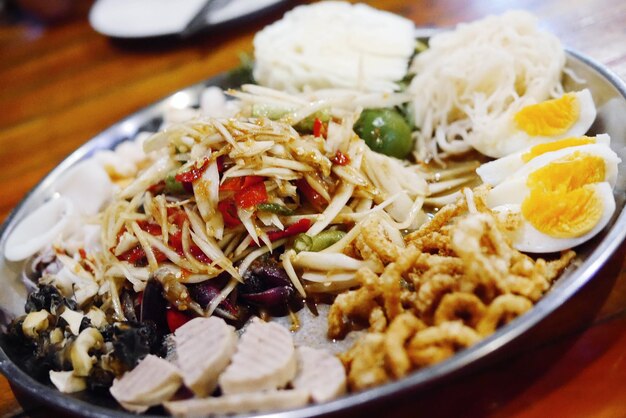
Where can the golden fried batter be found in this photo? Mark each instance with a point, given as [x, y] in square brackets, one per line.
[382, 291]
[365, 362]
[374, 244]
[459, 306]
[437, 343]
[454, 281]
[501, 311]
[400, 331]
[433, 290]
[353, 305]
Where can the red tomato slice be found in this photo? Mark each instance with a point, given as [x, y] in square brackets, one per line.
[236, 184]
[229, 212]
[176, 319]
[251, 196]
[313, 197]
[194, 173]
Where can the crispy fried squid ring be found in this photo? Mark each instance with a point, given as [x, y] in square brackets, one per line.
[391, 278]
[400, 331]
[458, 306]
[365, 362]
[437, 343]
[353, 305]
[501, 311]
[375, 236]
[431, 292]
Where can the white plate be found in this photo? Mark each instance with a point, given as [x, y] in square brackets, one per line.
[149, 18]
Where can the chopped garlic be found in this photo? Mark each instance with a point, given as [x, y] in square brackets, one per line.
[66, 382]
[35, 322]
[73, 319]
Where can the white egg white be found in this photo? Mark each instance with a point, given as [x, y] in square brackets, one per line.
[503, 137]
[514, 189]
[496, 171]
[528, 239]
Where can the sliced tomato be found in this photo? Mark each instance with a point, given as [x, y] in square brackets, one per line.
[160, 257]
[229, 212]
[176, 216]
[176, 319]
[312, 196]
[137, 256]
[150, 227]
[220, 164]
[176, 242]
[199, 254]
[237, 184]
[251, 196]
[194, 173]
[133, 255]
[157, 187]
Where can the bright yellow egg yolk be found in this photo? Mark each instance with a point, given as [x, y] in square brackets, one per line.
[549, 118]
[567, 215]
[540, 149]
[562, 203]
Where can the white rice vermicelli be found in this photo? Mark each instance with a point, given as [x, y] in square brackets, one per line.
[334, 44]
[471, 78]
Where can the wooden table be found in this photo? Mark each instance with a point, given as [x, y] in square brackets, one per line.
[62, 84]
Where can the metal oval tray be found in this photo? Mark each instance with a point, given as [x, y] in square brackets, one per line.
[609, 94]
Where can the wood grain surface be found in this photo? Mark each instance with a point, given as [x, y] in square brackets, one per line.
[62, 83]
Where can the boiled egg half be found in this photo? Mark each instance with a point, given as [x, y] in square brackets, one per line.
[496, 171]
[559, 199]
[570, 115]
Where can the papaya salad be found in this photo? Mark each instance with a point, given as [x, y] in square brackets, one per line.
[386, 189]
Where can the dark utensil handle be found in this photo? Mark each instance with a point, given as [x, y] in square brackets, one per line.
[198, 22]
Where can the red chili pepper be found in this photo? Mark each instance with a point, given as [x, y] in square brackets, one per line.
[341, 159]
[302, 225]
[237, 184]
[176, 319]
[318, 128]
[194, 173]
[251, 196]
[229, 212]
[82, 252]
[312, 196]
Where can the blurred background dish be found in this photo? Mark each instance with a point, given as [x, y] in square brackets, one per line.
[151, 18]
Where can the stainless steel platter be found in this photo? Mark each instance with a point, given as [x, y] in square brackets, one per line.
[609, 94]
